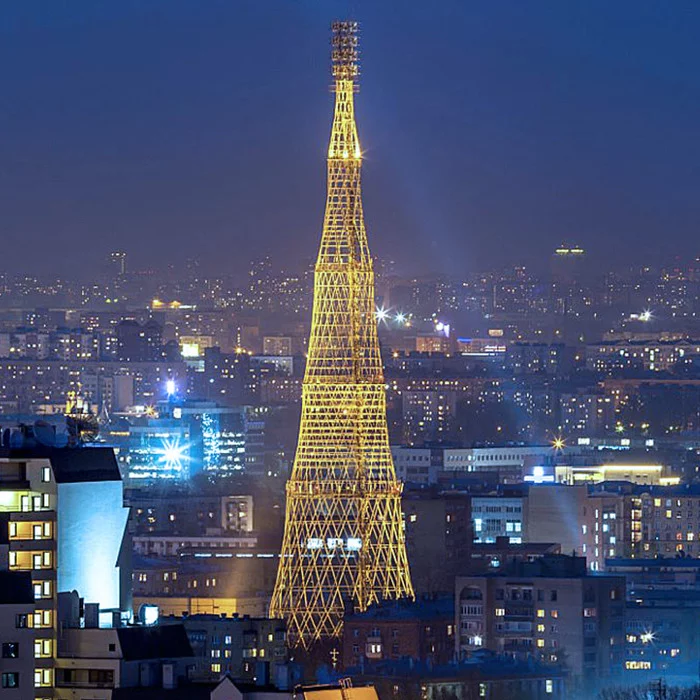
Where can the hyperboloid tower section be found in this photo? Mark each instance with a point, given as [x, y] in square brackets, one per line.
[343, 538]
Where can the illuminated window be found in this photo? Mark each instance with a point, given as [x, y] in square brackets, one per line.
[540, 643]
[637, 665]
[500, 612]
[548, 686]
[540, 628]
[46, 474]
[216, 668]
[540, 613]
[554, 613]
[42, 648]
[42, 677]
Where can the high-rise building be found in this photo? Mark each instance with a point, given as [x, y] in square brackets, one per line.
[62, 521]
[343, 538]
[117, 262]
[544, 609]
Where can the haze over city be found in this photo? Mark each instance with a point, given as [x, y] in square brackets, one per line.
[492, 132]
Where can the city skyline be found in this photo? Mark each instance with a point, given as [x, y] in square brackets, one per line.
[542, 115]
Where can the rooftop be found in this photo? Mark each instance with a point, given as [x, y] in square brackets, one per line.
[140, 643]
[71, 464]
[406, 609]
[483, 665]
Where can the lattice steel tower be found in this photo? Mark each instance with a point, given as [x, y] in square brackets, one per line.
[343, 537]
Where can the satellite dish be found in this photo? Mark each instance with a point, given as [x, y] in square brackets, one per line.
[148, 614]
[16, 440]
[45, 433]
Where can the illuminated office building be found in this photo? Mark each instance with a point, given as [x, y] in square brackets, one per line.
[154, 449]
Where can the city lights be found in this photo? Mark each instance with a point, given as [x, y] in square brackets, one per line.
[172, 454]
[558, 443]
[381, 314]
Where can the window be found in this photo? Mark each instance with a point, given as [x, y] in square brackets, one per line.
[227, 639]
[10, 680]
[540, 643]
[553, 595]
[10, 650]
[42, 677]
[216, 668]
[540, 613]
[42, 648]
[21, 621]
[549, 686]
[101, 676]
[46, 474]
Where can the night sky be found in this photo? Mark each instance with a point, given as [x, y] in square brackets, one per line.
[493, 130]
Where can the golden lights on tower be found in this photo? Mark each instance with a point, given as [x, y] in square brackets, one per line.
[343, 539]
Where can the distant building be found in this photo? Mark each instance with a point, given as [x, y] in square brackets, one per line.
[210, 581]
[421, 630]
[487, 557]
[495, 517]
[438, 538]
[543, 609]
[277, 345]
[486, 675]
[117, 262]
[139, 343]
[189, 514]
[428, 415]
[233, 645]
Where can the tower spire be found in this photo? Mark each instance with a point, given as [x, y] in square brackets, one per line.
[343, 539]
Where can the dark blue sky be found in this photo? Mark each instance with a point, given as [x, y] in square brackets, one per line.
[493, 130]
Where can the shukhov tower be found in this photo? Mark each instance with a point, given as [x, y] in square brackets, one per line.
[343, 537]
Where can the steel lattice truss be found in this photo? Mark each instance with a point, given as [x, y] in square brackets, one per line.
[343, 539]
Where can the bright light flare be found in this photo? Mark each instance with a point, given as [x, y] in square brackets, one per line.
[381, 314]
[559, 443]
[172, 454]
